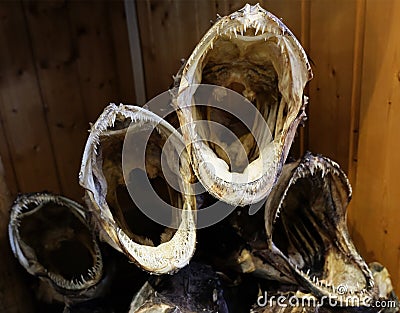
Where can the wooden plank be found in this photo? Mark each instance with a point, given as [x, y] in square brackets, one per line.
[23, 118]
[169, 31]
[135, 51]
[56, 57]
[120, 44]
[375, 212]
[356, 91]
[5, 154]
[12, 286]
[92, 37]
[332, 35]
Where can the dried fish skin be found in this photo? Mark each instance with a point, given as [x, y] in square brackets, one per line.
[253, 53]
[102, 177]
[307, 235]
[51, 237]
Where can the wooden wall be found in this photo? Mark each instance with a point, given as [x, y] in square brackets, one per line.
[375, 214]
[62, 62]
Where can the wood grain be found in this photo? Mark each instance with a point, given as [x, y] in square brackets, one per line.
[332, 34]
[9, 170]
[23, 117]
[56, 58]
[95, 63]
[375, 211]
[14, 294]
[169, 31]
[120, 47]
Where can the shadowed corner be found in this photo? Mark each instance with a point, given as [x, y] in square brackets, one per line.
[13, 280]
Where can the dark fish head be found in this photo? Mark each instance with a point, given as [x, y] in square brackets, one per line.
[51, 237]
[305, 221]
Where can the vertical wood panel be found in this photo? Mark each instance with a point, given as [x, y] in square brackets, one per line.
[120, 44]
[14, 296]
[91, 33]
[79, 63]
[23, 117]
[5, 153]
[56, 58]
[332, 34]
[169, 31]
[375, 216]
[356, 91]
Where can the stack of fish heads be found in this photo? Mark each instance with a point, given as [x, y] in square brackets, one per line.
[139, 171]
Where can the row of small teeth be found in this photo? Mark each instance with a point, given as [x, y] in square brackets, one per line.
[147, 257]
[304, 171]
[242, 28]
[330, 285]
[93, 274]
[24, 205]
[110, 117]
[76, 283]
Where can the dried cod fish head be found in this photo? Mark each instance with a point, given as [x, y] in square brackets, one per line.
[153, 247]
[51, 237]
[306, 228]
[253, 53]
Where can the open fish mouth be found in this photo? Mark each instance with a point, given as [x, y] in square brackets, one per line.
[306, 227]
[153, 247]
[254, 54]
[51, 237]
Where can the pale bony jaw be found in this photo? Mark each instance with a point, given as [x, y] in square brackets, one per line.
[101, 175]
[305, 219]
[253, 53]
[46, 232]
